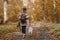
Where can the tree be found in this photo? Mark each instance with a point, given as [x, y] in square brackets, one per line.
[5, 11]
[43, 11]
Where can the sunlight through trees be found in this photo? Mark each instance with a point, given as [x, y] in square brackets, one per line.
[48, 10]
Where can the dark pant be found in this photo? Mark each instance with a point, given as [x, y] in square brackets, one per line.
[24, 29]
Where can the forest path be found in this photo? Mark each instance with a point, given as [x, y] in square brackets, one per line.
[39, 33]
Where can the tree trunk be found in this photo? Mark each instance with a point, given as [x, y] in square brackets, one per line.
[5, 11]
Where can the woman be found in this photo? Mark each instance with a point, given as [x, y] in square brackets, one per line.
[22, 21]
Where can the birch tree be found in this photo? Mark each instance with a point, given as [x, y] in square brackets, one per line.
[5, 11]
[43, 11]
[25, 2]
[54, 1]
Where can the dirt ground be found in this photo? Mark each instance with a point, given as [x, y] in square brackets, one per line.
[39, 33]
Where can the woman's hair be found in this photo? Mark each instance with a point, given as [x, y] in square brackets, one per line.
[24, 9]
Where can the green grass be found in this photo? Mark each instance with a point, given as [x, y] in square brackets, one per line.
[54, 28]
[7, 28]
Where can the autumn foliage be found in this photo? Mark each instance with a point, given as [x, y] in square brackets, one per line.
[14, 7]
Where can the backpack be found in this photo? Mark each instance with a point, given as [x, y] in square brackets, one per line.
[23, 18]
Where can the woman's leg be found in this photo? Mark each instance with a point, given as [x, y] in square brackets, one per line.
[24, 31]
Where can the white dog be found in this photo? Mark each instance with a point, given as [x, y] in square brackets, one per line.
[30, 30]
